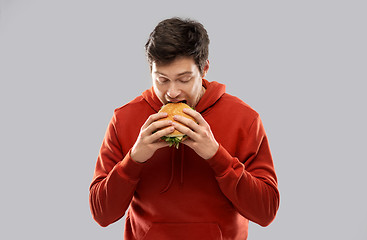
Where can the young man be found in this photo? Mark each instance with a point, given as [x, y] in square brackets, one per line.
[221, 177]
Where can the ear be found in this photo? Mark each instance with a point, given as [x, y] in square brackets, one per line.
[205, 69]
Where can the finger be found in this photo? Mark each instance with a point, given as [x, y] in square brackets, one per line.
[188, 122]
[160, 133]
[185, 130]
[196, 115]
[155, 126]
[153, 118]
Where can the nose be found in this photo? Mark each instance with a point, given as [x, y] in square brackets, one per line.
[173, 91]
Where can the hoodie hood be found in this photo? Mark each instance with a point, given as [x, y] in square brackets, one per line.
[214, 91]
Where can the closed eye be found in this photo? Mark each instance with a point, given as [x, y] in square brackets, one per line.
[185, 80]
[162, 80]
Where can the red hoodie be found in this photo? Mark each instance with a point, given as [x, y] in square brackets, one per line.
[176, 194]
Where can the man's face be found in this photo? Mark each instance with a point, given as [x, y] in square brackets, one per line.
[178, 81]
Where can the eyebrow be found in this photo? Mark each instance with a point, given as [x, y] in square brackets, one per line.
[178, 75]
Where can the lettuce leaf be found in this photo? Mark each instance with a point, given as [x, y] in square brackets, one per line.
[173, 141]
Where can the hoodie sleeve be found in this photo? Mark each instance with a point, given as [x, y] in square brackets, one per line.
[249, 181]
[115, 178]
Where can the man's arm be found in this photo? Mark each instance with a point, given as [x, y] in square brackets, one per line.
[248, 181]
[117, 174]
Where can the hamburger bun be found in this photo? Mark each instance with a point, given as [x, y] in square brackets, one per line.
[175, 109]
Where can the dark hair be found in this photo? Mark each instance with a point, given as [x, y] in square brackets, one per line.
[175, 37]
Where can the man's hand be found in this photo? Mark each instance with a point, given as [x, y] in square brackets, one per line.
[149, 137]
[201, 138]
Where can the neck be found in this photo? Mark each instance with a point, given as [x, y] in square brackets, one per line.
[202, 92]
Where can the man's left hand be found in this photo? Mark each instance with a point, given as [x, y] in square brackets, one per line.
[201, 138]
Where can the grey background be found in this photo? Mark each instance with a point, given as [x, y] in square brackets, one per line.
[66, 65]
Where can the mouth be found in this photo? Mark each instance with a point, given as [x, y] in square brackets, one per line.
[182, 101]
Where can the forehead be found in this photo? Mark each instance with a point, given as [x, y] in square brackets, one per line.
[178, 66]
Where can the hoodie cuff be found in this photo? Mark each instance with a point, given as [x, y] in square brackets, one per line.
[221, 162]
[130, 169]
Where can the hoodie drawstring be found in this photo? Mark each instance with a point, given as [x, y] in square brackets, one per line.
[182, 164]
[173, 159]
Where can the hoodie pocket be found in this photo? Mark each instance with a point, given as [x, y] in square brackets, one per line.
[184, 231]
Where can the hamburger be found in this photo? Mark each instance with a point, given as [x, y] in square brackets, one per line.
[176, 137]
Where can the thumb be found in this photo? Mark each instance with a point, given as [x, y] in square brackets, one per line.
[188, 142]
[159, 145]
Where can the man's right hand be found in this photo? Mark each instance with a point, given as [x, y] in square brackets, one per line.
[149, 139]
